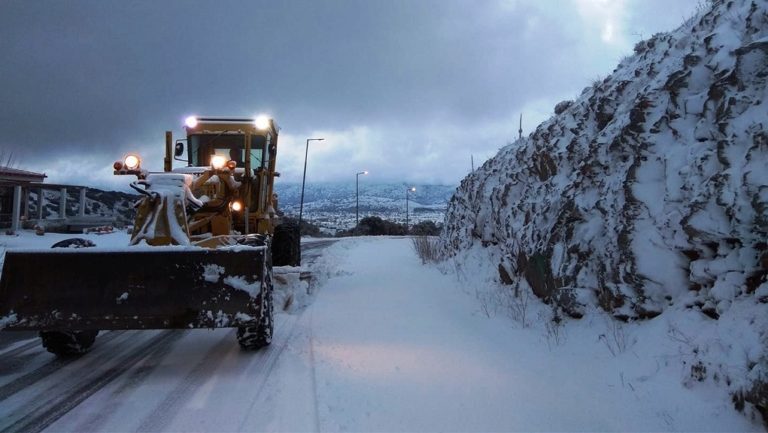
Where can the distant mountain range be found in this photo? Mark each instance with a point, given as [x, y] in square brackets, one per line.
[107, 204]
[332, 205]
[373, 197]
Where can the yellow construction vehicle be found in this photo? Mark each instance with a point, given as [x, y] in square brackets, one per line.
[203, 244]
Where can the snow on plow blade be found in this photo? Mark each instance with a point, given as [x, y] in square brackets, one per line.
[90, 289]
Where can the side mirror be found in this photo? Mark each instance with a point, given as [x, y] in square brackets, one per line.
[179, 150]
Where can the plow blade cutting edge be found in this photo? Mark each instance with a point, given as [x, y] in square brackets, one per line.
[148, 289]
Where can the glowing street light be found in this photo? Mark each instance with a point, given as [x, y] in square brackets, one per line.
[303, 179]
[410, 189]
[357, 197]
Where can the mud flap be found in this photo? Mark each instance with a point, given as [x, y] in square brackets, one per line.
[154, 288]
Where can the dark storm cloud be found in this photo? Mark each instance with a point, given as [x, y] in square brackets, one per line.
[113, 66]
[98, 78]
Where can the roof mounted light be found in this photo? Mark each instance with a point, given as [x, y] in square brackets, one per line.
[261, 122]
[191, 122]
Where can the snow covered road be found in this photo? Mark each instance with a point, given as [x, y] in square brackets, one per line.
[384, 344]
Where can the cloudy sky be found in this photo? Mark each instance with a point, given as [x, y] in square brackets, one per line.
[407, 89]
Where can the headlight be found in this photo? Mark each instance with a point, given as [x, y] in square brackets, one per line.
[218, 162]
[191, 121]
[236, 206]
[132, 162]
[261, 122]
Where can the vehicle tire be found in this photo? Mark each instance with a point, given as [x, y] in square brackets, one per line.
[286, 245]
[68, 343]
[259, 334]
[74, 243]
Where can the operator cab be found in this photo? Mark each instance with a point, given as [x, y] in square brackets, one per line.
[231, 146]
[209, 137]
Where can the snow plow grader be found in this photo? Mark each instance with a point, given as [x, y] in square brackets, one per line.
[202, 247]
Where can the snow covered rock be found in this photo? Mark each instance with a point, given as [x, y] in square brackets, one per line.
[649, 190]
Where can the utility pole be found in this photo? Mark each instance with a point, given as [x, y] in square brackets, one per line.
[408, 190]
[520, 131]
[357, 197]
[303, 179]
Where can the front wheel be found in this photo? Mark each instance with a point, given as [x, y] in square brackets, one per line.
[259, 334]
[68, 343]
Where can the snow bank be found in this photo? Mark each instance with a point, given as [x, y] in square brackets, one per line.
[400, 346]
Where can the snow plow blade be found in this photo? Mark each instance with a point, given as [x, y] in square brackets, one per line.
[148, 289]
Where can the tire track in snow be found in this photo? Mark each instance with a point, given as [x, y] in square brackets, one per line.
[311, 342]
[17, 361]
[23, 348]
[259, 367]
[170, 406]
[46, 411]
[43, 371]
[136, 376]
[264, 366]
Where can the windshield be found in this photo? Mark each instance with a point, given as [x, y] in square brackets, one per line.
[231, 146]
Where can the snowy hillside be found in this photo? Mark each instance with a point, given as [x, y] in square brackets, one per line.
[110, 204]
[649, 192]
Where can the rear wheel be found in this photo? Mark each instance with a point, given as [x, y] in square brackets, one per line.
[286, 245]
[68, 343]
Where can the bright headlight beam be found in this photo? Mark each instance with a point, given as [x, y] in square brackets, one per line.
[218, 162]
[132, 162]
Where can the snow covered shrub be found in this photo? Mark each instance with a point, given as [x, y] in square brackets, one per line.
[562, 106]
[757, 395]
[515, 304]
[615, 338]
[555, 329]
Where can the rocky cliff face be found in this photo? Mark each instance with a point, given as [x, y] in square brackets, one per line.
[647, 193]
[650, 189]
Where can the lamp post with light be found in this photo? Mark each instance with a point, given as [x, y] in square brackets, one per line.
[357, 197]
[410, 189]
[303, 180]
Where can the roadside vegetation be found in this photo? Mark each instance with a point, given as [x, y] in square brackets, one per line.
[427, 248]
[375, 226]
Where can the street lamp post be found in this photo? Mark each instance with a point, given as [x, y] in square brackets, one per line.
[357, 197]
[408, 190]
[303, 180]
